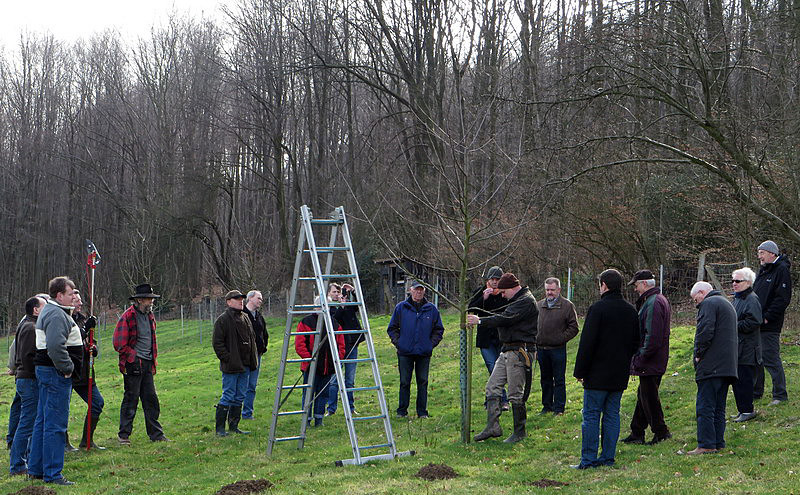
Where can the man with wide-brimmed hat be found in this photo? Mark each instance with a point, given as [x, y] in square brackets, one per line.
[235, 345]
[135, 341]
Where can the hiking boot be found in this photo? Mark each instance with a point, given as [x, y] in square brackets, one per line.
[745, 417]
[520, 414]
[660, 438]
[221, 417]
[123, 440]
[68, 447]
[493, 428]
[633, 439]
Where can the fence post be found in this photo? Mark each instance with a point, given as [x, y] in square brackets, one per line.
[200, 322]
[181, 320]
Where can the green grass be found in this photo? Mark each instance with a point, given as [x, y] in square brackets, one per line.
[761, 456]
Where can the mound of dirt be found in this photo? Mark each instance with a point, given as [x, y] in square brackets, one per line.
[245, 487]
[544, 483]
[35, 490]
[436, 472]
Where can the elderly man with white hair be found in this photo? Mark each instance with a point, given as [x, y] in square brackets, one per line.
[715, 346]
[748, 315]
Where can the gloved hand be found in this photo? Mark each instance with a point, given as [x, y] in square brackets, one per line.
[91, 322]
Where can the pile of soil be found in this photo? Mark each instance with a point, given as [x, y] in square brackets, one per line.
[35, 490]
[544, 483]
[436, 472]
[245, 487]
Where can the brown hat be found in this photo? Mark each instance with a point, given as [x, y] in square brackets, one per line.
[508, 281]
[641, 275]
[234, 294]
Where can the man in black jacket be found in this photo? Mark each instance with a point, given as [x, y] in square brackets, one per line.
[516, 329]
[773, 286]
[235, 346]
[715, 363]
[487, 301]
[609, 339]
[251, 309]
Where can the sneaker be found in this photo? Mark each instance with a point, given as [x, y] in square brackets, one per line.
[745, 417]
[61, 481]
[545, 411]
[660, 438]
[330, 413]
[776, 402]
[634, 440]
[582, 466]
[353, 412]
[424, 416]
[162, 438]
[402, 415]
[123, 440]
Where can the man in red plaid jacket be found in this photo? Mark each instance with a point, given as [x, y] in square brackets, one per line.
[135, 341]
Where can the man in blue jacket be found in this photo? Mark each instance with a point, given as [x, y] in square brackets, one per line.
[415, 329]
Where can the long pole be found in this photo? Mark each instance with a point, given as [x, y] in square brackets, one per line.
[92, 261]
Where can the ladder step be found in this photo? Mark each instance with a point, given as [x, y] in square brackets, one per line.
[366, 418]
[330, 304]
[302, 333]
[328, 277]
[290, 413]
[378, 446]
[289, 439]
[304, 311]
[299, 360]
[327, 221]
[366, 459]
[361, 389]
[329, 249]
[292, 387]
[344, 332]
[359, 360]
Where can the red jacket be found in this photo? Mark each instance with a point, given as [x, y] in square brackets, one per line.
[304, 345]
[125, 338]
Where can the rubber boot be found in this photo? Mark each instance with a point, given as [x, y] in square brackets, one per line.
[82, 445]
[493, 428]
[520, 417]
[234, 415]
[222, 416]
[68, 447]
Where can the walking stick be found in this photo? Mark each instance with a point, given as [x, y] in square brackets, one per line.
[92, 260]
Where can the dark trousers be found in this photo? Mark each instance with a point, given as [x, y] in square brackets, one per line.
[648, 408]
[711, 396]
[97, 400]
[419, 365]
[553, 368]
[771, 352]
[136, 387]
[743, 388]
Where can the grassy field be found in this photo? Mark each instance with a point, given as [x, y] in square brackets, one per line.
[762, 455]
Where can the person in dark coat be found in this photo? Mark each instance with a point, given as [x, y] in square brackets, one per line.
[415, 329]
[347, 316]
[748, 316]
[80, 381]
[517, 327]
[252, 306]
[715, 350]
[773, 286]
[650, 361]
[487, 301]
[609, 339]
[235, 345]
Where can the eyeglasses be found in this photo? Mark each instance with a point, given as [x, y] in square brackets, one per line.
[737, 281]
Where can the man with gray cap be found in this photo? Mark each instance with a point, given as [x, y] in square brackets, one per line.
[516, 328]
[773, 286]
[415, 329]
[487, 301]
[135, 341]
[235, 345]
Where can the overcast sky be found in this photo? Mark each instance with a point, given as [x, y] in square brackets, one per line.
[69, 20]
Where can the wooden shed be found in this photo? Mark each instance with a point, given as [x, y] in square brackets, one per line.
[397, 274]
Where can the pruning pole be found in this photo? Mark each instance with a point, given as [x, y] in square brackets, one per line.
[92, 260]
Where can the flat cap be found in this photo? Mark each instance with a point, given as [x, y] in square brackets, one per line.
[234, 294]
[641, 275]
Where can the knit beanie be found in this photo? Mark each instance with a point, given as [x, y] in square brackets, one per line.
[494, 272]
[770, 246]
[508, 281]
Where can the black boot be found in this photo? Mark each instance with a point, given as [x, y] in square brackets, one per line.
[68, 447]
[234, 415]
[520, 417]
[94, 427]
[493, 428]
[222, 416]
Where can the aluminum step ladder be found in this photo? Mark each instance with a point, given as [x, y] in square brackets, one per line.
[307, 249]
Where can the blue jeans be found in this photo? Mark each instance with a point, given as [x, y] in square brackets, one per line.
[490, 355]
[250, 395]
[321, 384]
[13, 417]
[349, 381]
[553, 368]
[711, 396]
[419, 365]
[49, 431]
[28, 391]
[595, 403]
[234, 388]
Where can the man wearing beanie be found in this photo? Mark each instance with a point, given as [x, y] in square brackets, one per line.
[773, 286]
[487, 301]
[516, 329]
[235, 345]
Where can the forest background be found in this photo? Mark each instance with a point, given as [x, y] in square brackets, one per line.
[538, 135]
